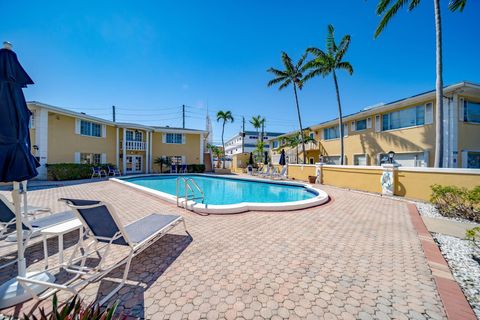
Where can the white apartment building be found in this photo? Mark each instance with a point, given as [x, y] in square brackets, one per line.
[234, 144]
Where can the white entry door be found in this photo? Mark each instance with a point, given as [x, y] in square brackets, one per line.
[134, 164]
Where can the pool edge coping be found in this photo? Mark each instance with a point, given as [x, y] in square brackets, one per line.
[321, 198]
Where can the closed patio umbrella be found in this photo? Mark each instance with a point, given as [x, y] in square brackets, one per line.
[17, 164]
[265, 157]
[282, 158]
[250, 159]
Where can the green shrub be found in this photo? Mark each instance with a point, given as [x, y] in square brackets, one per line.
[474, 236]
[72, 171]
[196, 168]
[75, 310]
[457, 202]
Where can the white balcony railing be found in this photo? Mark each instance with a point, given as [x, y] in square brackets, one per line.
[135, 145]
[311, 146]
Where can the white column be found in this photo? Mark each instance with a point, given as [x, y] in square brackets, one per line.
[201, 148]
[147, 153]
[124, 148]
[117, 148]
[41, 140]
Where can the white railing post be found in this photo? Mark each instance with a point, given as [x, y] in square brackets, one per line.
[388, 178]
[319, 172]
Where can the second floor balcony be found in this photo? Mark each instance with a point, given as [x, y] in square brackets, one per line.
[134, 145]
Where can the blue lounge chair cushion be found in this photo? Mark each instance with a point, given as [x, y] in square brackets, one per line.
[148, 226]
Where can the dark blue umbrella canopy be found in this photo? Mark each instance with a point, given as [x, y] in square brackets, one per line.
[16, 161]
[265, 157]
[250, 159]
[282, 158]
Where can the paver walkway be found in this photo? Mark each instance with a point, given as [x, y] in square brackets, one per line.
[358, 257]
[448, 227]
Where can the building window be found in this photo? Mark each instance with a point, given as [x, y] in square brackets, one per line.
[471, 111]
[134, 135]
[360, 159]
[473, 160]
[312, 135]
[275, 144]
[90, 158]
[331, 133]
[88, 128]
[413, 116]
[31, 124]
[175, 138]
[361, 125]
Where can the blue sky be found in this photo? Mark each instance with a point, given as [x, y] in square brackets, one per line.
[150, 57]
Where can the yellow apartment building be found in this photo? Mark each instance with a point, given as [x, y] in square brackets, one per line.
[406, 127]
[60, 135]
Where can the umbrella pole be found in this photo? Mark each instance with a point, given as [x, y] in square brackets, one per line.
[25, 201]
[21, 253]
[11, 291]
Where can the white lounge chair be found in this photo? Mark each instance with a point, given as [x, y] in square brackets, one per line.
[266, 173]
[104, 230]
[282, 175]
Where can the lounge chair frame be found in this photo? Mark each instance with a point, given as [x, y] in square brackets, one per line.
[101, 247]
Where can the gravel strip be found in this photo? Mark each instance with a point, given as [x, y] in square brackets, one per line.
[429, 210]
[465, 269]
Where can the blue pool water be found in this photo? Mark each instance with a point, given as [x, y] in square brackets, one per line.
[222, 190]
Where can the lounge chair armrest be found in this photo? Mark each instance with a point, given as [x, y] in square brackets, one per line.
[90, 206]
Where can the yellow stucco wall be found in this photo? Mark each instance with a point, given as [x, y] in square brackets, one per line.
[416, 185]
[63, 142]
[191, 148]
[300, 172]
[406, 140]
[353, 178]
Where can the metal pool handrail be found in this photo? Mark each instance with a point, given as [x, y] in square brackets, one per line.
[188, 186]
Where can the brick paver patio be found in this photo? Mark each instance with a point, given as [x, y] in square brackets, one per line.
[357, 257]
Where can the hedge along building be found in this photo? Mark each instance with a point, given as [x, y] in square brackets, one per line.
[60, 135]
[407, 127]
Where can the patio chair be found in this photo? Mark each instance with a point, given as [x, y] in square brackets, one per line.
[113, 171]
[265, 173]
[173, 168]
[103, 229]
[98, 172]
[183, 169]
[282, 175]
[31, 228]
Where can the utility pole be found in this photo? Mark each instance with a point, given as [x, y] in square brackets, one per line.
[243, 134]
[113, 113]
[183, 115]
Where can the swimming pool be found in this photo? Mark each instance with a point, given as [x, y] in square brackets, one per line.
[230, 194]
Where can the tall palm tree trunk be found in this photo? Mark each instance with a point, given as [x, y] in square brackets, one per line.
[299, 122]
[340, 118]
[223, 145]
[439, 89]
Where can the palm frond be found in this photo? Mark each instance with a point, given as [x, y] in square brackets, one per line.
[388, 16]
[278, 73]
[300, 61]
[287, 62]
[331, 46]
[316, 52]
[455, 5]
[413, 4]
[285, 84]
[345, 66]
[382, 6]
[276, 80]
[342, 48]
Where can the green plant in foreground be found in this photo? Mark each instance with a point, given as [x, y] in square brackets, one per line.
[452, 201]
[474, 236]
[75, 310]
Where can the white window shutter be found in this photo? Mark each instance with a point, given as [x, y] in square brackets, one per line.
[367, 160]
[321, 134]
[353, 126]
[104, 131]
[77, 126]
[465, 159]
[184, 138]
[377, 123]
[184, 160]
[77, 157]
[461, 110]
[345, 130]
[369, 123]
[103, 158]
[429, 113]
[164, 138]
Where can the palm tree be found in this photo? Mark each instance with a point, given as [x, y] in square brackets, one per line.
[258, 122]
[225, 116]
[387, 11]
[161, 161]
[293, 74]
[326, 63]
